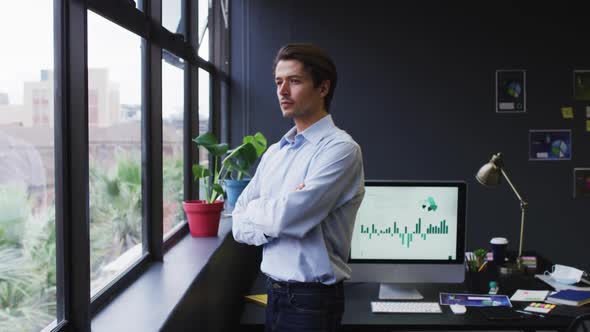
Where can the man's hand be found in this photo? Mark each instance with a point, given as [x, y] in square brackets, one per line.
[300, 187]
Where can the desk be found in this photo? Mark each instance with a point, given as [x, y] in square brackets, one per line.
[358, 315]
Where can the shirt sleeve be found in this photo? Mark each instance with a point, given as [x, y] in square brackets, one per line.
[336, 171]
[243, 229]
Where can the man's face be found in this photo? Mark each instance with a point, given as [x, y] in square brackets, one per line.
[295, 90]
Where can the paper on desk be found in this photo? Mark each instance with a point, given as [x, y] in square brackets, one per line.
[529, 295]
[260, 299]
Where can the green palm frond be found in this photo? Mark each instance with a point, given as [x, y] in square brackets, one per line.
[14, 204]
[14, 267]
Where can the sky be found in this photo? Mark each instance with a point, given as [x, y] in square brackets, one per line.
[27, 42]
[29, 48]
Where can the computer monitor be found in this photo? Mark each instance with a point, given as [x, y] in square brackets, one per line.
[409, 232]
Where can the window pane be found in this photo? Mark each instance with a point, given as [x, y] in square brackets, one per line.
[114, 121]
[204, 111]
[203, 41]
[172, 144]
[171, 14]
[204, 46]
[27, 176]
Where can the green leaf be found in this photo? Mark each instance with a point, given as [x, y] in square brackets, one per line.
[247, 156]
[206, 139]
[480, 252]
[129, 171]
[241, 159]
[218, 188]
[241, 175]
[218, 149]
[200, 172]
[230, 164]
[258, 141]
[112, 187]
[209, 142]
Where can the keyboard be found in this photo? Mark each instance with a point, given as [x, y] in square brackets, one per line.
[405, 307]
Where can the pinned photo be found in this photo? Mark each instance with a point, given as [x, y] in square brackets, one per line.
[510, 91]
[581, 182]
[550, 144]
[582, 85]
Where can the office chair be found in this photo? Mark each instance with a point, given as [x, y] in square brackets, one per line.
[580, 323]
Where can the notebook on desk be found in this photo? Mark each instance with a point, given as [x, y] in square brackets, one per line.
[569, 297]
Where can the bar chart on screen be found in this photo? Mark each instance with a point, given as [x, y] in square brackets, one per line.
[406, 236]
[416, 224]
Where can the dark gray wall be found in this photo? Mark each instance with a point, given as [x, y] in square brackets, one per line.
[416, 90]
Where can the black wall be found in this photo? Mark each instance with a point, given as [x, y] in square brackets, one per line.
[417, 91]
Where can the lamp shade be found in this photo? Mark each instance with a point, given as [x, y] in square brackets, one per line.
[490, 173]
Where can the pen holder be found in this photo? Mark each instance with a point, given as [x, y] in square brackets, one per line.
[476, 282]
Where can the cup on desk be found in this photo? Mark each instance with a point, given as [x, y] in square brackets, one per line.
[499, 245]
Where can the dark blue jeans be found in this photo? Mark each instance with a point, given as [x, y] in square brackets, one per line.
[303, 307]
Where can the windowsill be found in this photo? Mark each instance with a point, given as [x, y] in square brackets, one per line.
[146, 304]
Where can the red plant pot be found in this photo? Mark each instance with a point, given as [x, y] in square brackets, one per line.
[203, 218]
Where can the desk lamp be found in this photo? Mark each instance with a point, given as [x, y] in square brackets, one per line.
[489, 176]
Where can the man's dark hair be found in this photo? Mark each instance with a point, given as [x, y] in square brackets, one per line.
[315, 61]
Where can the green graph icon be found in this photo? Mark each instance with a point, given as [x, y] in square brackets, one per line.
[429, 204]
[405, 236]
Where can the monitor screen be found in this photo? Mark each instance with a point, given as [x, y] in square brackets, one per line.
[409, 232]
[409, 221]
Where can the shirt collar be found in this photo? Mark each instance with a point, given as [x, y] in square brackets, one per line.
[288, 138]
[313, 133]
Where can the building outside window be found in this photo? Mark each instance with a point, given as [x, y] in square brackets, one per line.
[114, 150]
[172, 142]
[27, 176]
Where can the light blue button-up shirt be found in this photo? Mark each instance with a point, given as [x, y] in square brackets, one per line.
[306, 233]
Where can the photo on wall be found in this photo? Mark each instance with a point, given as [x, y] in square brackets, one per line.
[582, 85]
[510, 91]
[550, 144]
[581, 182]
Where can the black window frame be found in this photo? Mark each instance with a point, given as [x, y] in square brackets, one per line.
[75, 308]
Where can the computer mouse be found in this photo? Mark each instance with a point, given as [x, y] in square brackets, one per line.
[458, 309]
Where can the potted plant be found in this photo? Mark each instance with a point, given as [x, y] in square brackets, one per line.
[238, 163]
[204, 215]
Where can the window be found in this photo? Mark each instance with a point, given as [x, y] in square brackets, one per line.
[47, 182]
[41, 111]
[93, 107]
[27, 176]
[203, 21]
[204, 125]
[171, 16]
[115, 185]
[172, 142]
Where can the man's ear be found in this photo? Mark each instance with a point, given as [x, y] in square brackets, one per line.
[325, 88]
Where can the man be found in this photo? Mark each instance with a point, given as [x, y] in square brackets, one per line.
[302, 202]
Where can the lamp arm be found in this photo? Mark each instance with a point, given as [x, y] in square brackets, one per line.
[522, 210]
[523, 205]
[522, 201]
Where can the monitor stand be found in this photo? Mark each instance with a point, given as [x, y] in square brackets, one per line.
[389, 291]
